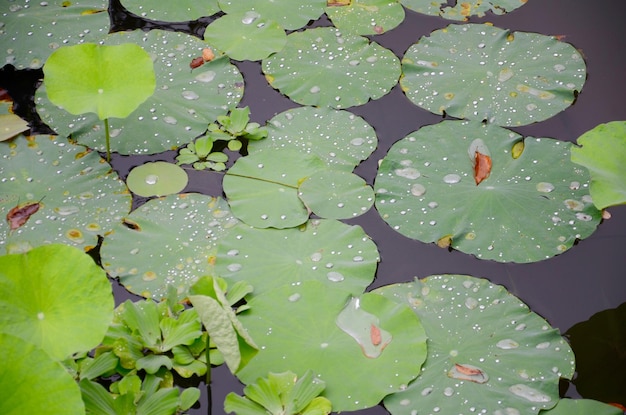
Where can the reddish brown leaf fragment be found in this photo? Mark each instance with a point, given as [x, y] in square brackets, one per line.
[482, 167]
[466, 370]
[375, 336]
[19, 215]
[196, 62]
[337, 3]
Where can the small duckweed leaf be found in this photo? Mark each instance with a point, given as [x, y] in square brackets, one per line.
[366, 17]
[157, 178]
[462, 10]
[290, 14]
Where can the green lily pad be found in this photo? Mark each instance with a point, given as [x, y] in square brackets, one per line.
[582, 407]
[184, 103]
[462, 10]
[426, 190]
[72, 195]
[32, 30]
[603, 153]
[367, 17]
[323, 67]
[321, 131]
[363, 348]
[246, 35]
[166, 241]
[481, 72]
[339, 255]
[290, 14]
[486, 350]
[158, 178]
[55, 297]
[56, 391]
[175, 11]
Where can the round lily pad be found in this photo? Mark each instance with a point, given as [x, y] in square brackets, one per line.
[484, 73]
[339, 255]
[175, 11]
[158, 178]
[52, 191]
[32, 30]
[323, 132]
[486, 350]
[55, 297]
[166, 241]
[184, 103]
[246, 35]
[426, 190]
[365, 17]
[363, 348]
[323, 67]
[462, 10]
[290, 14]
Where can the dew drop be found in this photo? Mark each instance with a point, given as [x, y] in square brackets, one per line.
[152, 179]
[207, 76]
[408, 173]
[418, 190]
[41, 315]
[452, 178]
[357, 141]
[448, 391]
[294, 297]
[335, 276]
[234, 267]
[190, 95]
[170, 120]
[529, 393]
[249, 17]
[545, 187]
[314, 89]
[507, 344]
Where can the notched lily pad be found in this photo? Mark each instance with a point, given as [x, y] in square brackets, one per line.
[178, 11]
[158, 178]
[426, 189]
[290, 14]
[486, 350]
[366, 17]
[462, 10]
[481, 72]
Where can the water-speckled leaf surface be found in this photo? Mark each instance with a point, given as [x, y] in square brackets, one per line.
[290, 14]
[482, 72]
[157, 178]
[184, 103]
[582, 407]
[530, 208]
[172, 11]
[486, 350]
[363, 348]
[323, 67]
[367, 17]
[79, 195]
[462, 10]
[166, 241]
[339, 255]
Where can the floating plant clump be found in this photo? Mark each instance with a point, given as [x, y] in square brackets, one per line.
[41, 27]
[346, 339]
[166, 241]
[481, 72]
[462, 10]
[290, 14]
[184, 102]
[486, 350]
[365, 17]
[53, 191]
[329, 251]
[484, 190]
[172, 11]
[323, 67]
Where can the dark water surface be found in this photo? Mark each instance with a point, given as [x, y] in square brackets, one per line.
[567, 290]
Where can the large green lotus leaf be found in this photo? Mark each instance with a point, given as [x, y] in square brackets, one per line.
[262, 188]
[32, 30]
[56, 297]
[184, 103]
[246, 35]
[530, 208]
[336, 194]
[603, 153]
[33, 383]
[323, 67]
[582, 407]
[462, 10]
[73, 194]
[172, 11]
[486, 350]
[367, 17]
[290, 14]
[166, 241]
[321, 131]
[481, 72]
[363, 347]
[111, 81]
[339, 255]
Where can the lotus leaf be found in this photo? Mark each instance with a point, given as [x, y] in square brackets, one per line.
[246, 35]
[157, 179]
[367, 17]
[486, 350]
[338, 137]
[323, 67]
[33, 383]
[482, 72]
[290, 14]
[41, 27]
[184, 103]
[175, 11]
[339, 255]
[603, 153]
[65, 194]
[363, 347]
[166, 241]
[55, 297]
[462, 10]
[426, 189]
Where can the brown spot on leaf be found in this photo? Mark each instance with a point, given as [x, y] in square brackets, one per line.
[338, 3]
[196, 62]
[482, 167]
[19, 215]
[375, 335]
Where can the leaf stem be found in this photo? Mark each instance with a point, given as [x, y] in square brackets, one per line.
[208, 374]
[107, 137]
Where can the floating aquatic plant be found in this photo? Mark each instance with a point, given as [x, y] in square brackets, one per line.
[178, 11]
[582, 407]
[365, 17]
[289, 14]
[157, 178]
[462, 10]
